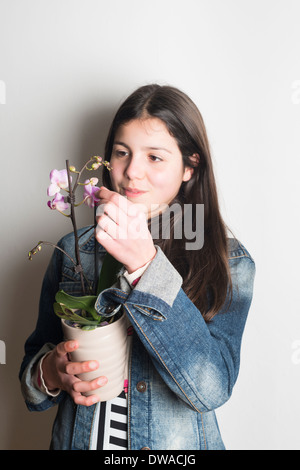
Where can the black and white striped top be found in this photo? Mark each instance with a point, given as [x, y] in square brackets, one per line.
[110, 431]
[110, 425]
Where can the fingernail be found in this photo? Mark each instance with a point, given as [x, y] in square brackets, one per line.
[93, 365]
[102, 381]
[94, 400]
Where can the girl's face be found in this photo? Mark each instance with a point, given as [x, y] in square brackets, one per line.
[147, 165]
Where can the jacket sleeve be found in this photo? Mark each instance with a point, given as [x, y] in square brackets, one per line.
[198, 361]
[46, 335]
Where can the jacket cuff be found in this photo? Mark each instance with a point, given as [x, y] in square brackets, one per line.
[38, 379]
[131, 278]
[154, 294]
[35, 399]
[160, 279]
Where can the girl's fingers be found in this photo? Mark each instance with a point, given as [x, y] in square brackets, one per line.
[84, 401]
[75, 368]
[66, 347]
[108, 225]
[113, 211]
[106, 196]
[102, 236]
[112, 229]
[86, 386]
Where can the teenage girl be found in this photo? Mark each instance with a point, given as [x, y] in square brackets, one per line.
[187, 304]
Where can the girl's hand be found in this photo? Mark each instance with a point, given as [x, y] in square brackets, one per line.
[122, 229]
[59, 373]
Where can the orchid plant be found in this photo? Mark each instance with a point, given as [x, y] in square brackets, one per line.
[79, 311]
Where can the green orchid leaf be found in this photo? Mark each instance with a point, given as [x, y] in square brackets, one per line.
[68, 314]
[86, 302]
[108, 273]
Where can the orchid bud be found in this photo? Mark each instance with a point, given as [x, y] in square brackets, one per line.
[94, 181]
[72, 168]
[95, 166]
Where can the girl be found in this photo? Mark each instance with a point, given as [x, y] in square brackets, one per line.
[187, 304]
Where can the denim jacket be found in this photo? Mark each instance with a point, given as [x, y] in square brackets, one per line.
[188, 367]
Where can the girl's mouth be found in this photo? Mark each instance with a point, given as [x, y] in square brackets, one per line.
[132, 192]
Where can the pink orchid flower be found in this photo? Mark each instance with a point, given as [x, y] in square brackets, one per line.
[90, 191]
[58, 202]
[59, 180]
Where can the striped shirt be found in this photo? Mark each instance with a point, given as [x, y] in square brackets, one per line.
[110, 429]
[111, 417]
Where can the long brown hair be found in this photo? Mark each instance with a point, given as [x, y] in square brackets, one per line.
[205, 273]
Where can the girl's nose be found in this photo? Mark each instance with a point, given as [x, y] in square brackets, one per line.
[134, 169]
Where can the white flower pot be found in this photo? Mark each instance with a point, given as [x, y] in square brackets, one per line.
[107, 345]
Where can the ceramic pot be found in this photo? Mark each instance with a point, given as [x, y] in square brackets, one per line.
[107, 345]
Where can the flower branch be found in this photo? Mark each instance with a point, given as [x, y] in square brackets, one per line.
[38, 248]
[61, 180]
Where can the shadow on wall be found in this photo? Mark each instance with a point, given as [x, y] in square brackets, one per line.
[21, 429]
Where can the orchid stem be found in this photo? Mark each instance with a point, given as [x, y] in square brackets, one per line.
[77, 253]
[79, 173]
[42, 242]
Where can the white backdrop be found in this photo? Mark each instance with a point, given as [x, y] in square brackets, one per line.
[65, 66]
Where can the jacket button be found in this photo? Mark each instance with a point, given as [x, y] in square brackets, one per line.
[141, 387]
[145, 448]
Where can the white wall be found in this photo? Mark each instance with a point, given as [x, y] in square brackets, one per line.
[65, 66]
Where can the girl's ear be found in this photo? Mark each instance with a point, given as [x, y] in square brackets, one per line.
[189, 170]
[194, 159]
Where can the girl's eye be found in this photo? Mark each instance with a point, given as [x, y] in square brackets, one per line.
[121, 153]
[153, 158]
